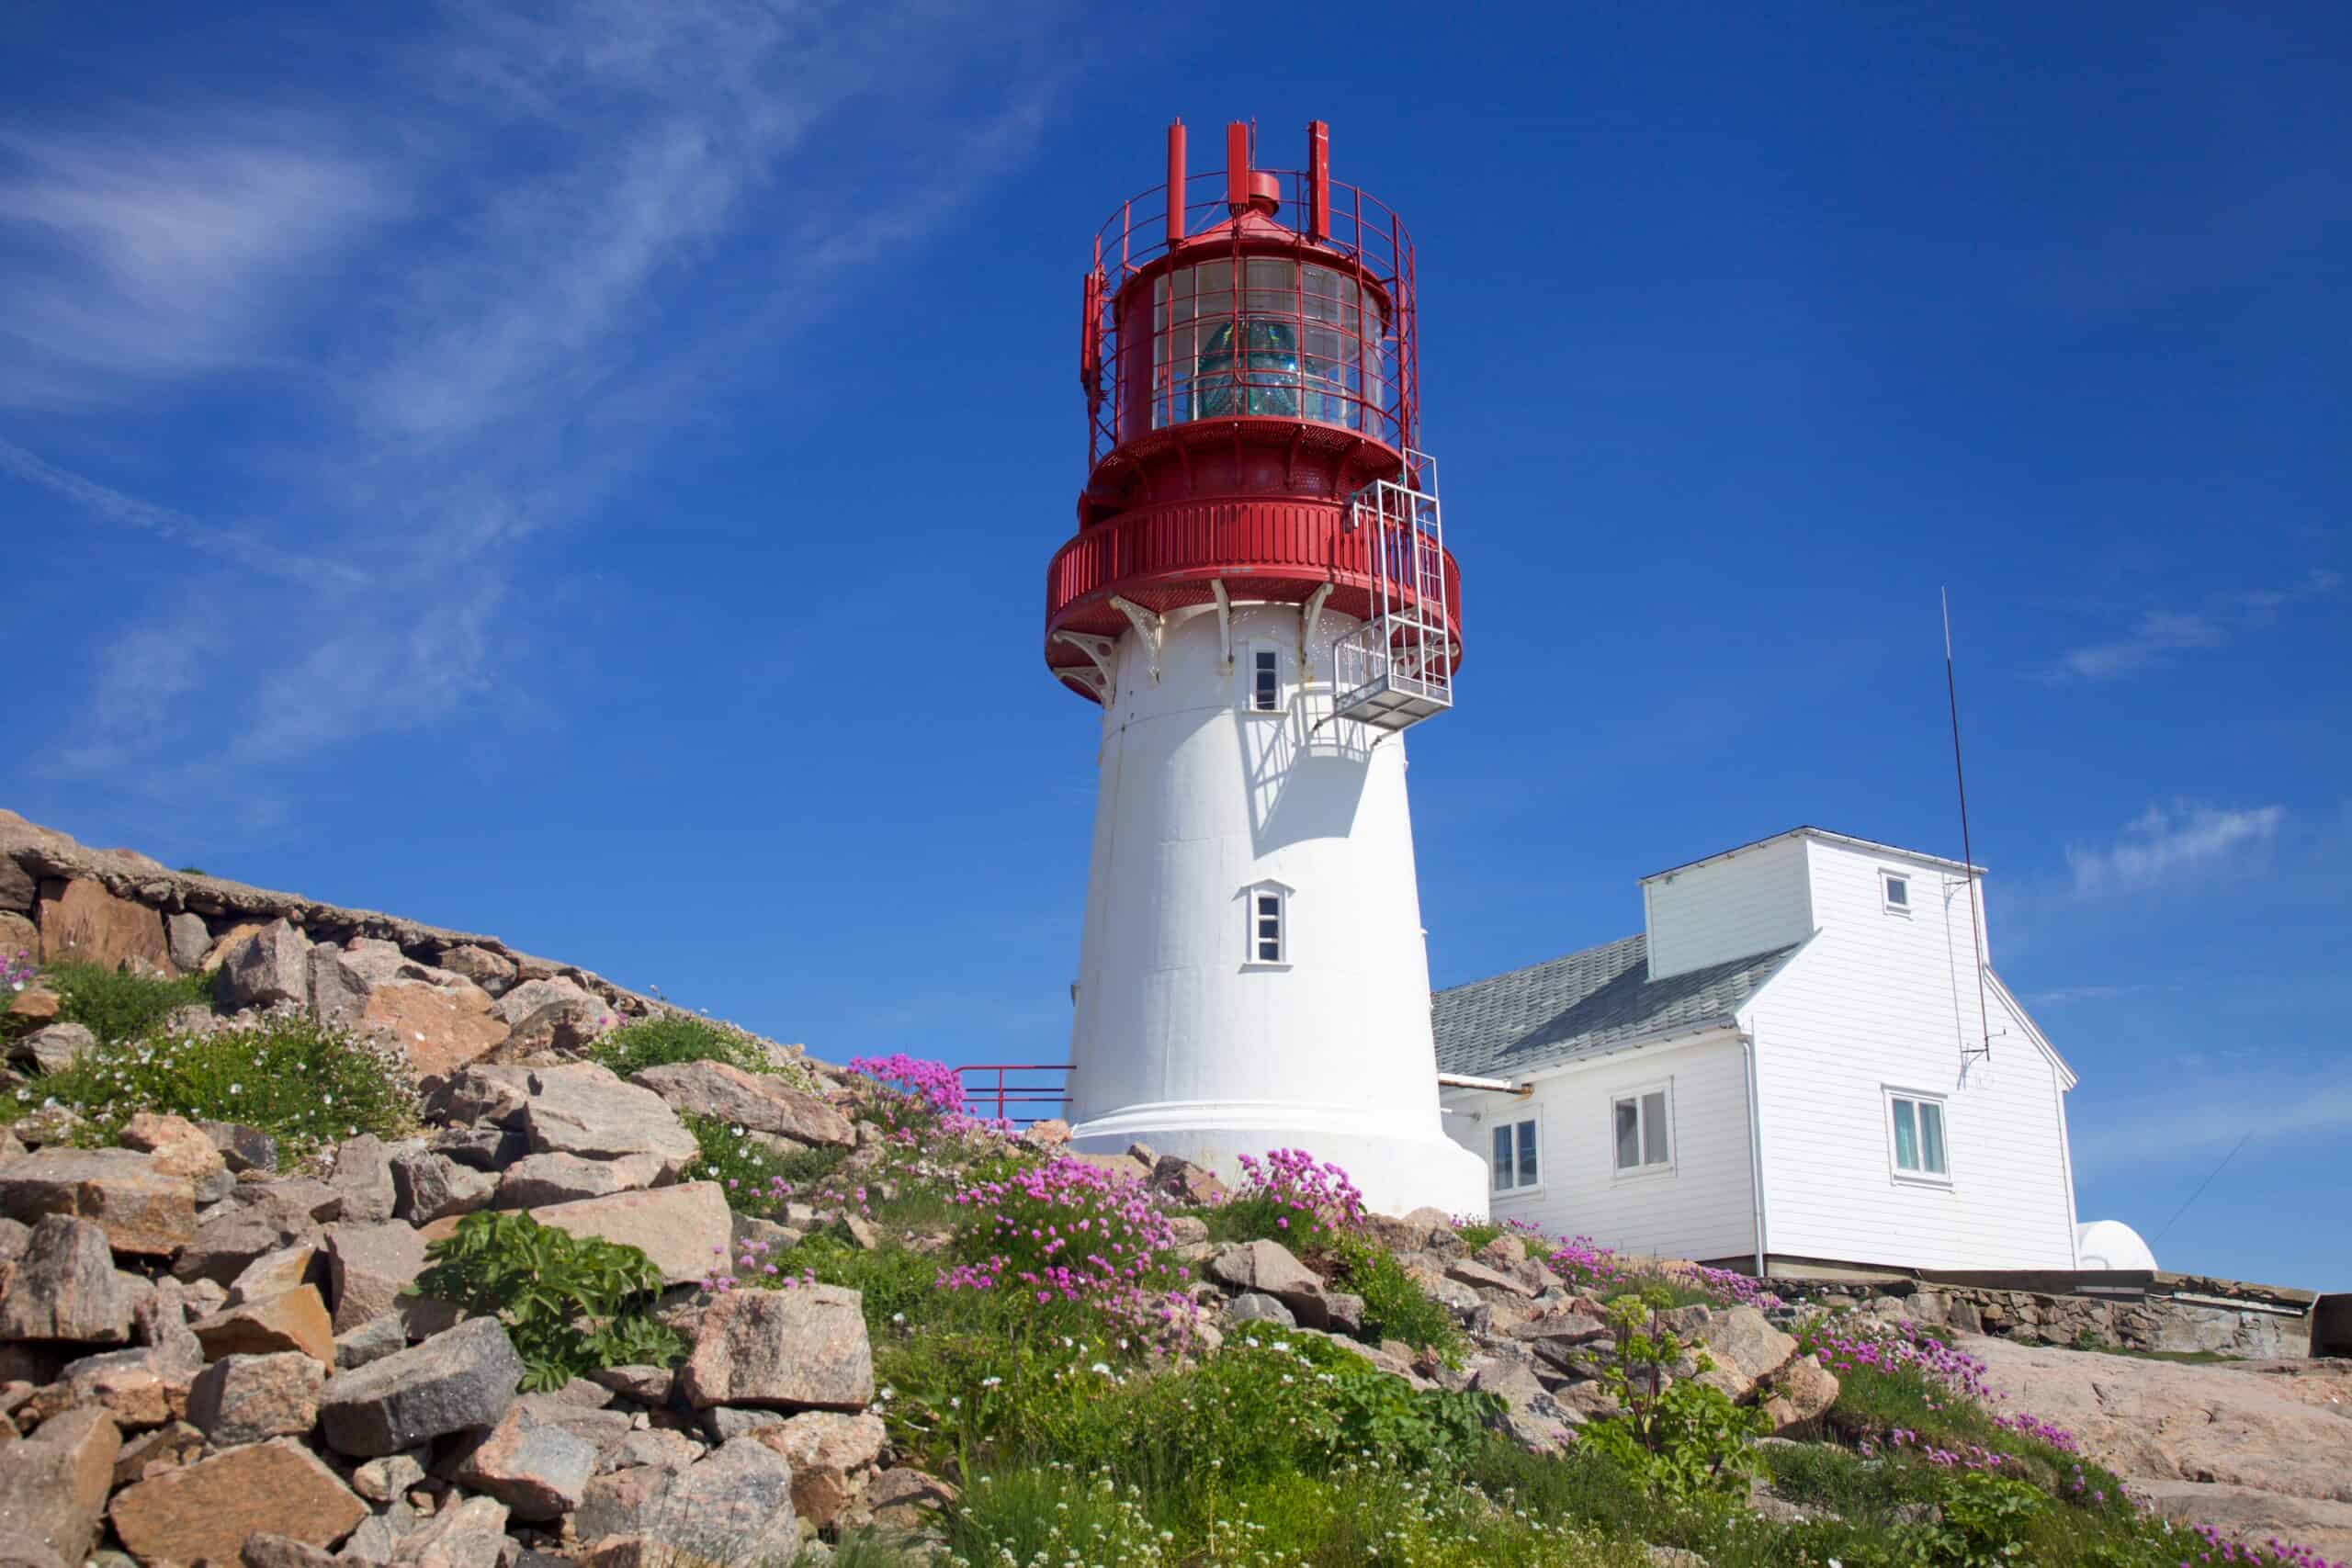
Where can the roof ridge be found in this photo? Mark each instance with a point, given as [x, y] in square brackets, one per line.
[1642, 937]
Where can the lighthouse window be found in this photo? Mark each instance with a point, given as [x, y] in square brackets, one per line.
[1268, 941]
[1265, 680]
[1282, 341]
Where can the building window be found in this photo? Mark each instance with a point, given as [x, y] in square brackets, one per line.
[1267, 908]
[1917, 1124]
[1638, 1126]
[1895, 890]
[1265, 680]
[1516, 1168]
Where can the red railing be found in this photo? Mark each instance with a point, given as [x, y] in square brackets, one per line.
[1003, 1093]
[1195, 542]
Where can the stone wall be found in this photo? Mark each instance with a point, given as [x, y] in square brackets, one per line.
[2256, 1322]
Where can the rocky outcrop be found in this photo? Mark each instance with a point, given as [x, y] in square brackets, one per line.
[2265, 1447]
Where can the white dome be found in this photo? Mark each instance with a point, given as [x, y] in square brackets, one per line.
[2111, 1243]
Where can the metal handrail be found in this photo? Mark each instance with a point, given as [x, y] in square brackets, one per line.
[1006, 1094]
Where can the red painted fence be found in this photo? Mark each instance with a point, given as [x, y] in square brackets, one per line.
[1018, 1092]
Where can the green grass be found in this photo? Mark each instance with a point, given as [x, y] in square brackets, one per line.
[117, 1006]
[678, 1037]
[306, 1085]
[1394, 1307]
[2177, 1357]
[759, 1181]
[1363, 1512]
[893, 1282]
[1676, 1291]
[1477, 1233]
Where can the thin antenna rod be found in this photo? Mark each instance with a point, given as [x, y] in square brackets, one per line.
[2204, 1184]
[1967, 853]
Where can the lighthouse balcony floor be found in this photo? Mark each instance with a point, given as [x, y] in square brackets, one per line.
[1393, 700]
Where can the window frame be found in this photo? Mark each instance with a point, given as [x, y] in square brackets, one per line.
[1261, 654]
[1533, 1118]
[1636, 1093]
[1891, 1095]
[1280, 893]
[1889, 879]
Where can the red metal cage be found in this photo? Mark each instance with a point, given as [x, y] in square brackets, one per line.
[1314, 318]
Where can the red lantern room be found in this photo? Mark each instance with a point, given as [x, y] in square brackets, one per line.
[1248, 357]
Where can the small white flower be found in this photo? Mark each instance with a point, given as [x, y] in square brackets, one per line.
[236, 1088]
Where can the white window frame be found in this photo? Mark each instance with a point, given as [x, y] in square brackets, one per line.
[1543, 1157]
[1889, 1094]
[1251, 653]
[1280, 893]
[1649, 1168]
[1888, 878]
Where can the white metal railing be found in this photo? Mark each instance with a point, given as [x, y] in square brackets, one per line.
[1396, 669]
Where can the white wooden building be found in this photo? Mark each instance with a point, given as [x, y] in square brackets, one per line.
[1791, 1066]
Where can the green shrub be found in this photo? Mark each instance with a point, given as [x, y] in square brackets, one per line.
[291, 1077]
[681, 1037]
[116, 1006]
[1394, 1306]
[571, 1304]
[1683, 1440]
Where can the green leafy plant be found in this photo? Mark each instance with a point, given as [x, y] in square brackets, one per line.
[1982, 1520]
[681, 1037]
[117, 1006]
[571, 1304]
[1684, 1438]
[303, 1083]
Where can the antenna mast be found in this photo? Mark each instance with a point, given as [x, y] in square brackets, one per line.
[1984, 1050]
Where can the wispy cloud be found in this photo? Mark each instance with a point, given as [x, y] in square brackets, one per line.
[2063, 996]
[2287, 1106]
[2158, 633]
[2167, 842]
[107, 505]
[140, 258]
[522, 270]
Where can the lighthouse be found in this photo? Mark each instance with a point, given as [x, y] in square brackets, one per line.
[1258, 597]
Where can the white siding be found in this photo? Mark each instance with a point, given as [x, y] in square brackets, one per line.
[1878, 1001]
[1750, 901]
[1701, 1208]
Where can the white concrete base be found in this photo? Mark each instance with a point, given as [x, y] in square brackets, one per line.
[1396, 1173]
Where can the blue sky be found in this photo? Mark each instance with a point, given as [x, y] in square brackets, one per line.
[586, 473]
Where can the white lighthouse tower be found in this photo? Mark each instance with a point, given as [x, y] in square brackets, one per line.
[1260, 597]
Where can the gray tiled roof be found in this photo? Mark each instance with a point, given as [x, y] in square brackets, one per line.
[1581, 1005]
